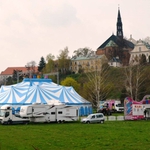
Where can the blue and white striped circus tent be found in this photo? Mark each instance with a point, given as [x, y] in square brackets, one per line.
[31, 91]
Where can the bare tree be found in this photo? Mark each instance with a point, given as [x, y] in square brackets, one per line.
[128, 82]
[83, 52]
[147, 39]
[31, 67]
[98, 87]
[134, 79]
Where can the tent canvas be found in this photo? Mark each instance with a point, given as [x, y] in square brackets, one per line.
[31, 91]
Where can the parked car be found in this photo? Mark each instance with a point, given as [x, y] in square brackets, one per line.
[94, 118]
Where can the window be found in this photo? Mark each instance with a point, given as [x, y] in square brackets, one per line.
[59, 112]
[139, 49]
[99, 116]
[93, 117]
[52, 113]
[6, 114]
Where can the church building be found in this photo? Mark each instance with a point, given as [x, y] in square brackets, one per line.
[116, 48]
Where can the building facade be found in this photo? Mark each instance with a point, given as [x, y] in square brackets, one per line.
[141, 51]
[87, 63]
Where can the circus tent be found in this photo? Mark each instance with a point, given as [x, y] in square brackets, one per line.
[43, 91]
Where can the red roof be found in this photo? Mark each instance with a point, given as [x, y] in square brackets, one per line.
[10, 70]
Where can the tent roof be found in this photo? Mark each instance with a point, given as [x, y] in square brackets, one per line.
[39, 91]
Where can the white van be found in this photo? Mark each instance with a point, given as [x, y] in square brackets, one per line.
[94, 118]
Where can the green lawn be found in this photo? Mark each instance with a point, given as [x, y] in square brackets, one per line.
[117, 135]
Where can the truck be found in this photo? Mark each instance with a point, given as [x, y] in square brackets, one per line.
[111, 106]
[7, 117]
[37, 113]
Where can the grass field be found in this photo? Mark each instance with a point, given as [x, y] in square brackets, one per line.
[117, 135]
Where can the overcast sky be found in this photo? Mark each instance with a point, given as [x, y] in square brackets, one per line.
[30, 29]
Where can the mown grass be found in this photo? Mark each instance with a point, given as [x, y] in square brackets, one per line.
[117, 135]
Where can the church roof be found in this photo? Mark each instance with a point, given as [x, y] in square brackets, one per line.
[119, 42]
[111, 44]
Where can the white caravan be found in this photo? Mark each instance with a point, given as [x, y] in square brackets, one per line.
[7, 117]
[56, 112]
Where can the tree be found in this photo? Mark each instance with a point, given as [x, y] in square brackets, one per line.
[50, 57]
[30, 68]
[134, 79]
[147, 40]
[71, 82]
[82, 52]
[9, 81]
[17, 75]
[50, 66]
[42, 64]
[64, 61]
[97, 87]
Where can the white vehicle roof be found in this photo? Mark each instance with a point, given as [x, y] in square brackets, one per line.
[6, 107]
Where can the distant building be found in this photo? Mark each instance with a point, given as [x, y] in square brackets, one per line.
[115, 62]
[116, 47]
[87, 63]
[10, 70]
[141, 51]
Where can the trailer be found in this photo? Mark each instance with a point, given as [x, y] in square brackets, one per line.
[36, 113]
[7, 117]
[137, 110]
[56, 112]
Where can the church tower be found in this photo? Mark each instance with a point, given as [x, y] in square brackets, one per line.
[116, 46]
[119, 26]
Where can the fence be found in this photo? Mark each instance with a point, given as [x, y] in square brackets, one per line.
[114, 118]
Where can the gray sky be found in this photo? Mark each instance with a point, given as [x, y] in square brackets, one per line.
[30, 29]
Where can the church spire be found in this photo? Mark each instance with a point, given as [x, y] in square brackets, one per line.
[119, 25]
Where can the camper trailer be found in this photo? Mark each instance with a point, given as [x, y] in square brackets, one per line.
[49, 112]
[53, 112]
[7, 117]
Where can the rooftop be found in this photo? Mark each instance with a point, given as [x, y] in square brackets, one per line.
[9, 70]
